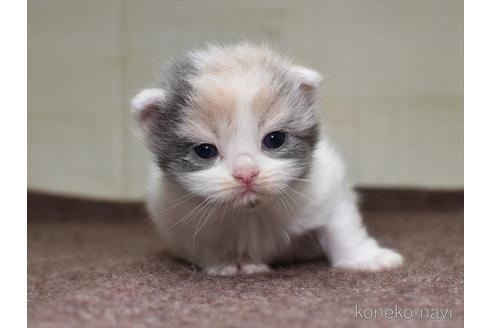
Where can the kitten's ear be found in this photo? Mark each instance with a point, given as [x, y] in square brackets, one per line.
[145, 106]
[308, 81]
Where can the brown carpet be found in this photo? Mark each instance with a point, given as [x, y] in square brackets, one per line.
[98, 264]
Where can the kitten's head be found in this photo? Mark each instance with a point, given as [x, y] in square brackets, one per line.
[233, 124]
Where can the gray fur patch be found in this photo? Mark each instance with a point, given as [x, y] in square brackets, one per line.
[173, 154]
[298, 146]
[302, 125]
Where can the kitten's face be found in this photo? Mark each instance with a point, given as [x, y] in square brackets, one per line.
[238, 138]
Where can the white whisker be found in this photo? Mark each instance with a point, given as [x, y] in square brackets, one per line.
[190, 213]
[297, 192]
[212, 210]
[180, 201]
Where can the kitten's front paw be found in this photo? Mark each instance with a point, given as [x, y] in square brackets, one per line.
[374, 259]
[222, 270]
[254, 268]
[233, 269]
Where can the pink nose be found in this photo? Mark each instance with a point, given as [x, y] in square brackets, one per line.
[245, 175]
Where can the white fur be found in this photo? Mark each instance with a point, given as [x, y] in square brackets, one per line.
[243, 240]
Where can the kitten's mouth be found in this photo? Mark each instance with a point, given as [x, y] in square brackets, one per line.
[248, 192]
[248, 196]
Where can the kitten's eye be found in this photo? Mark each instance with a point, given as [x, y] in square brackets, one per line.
[274, 140]
[206, 151]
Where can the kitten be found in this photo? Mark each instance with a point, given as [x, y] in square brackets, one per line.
[243, 175]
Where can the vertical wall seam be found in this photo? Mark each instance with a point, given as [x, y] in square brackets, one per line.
[122, 86]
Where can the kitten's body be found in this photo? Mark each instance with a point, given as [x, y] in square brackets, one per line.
[300, 205]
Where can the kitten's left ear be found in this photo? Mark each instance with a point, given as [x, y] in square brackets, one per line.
[308, 81]
[145, 107]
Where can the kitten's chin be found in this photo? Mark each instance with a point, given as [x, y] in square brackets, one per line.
[247, 199]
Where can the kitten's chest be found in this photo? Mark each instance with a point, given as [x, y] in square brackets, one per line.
[255, 235]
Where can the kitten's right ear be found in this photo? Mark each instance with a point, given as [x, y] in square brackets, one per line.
[145, 106]
[308, 82]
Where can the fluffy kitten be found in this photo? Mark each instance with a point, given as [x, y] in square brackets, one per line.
[242, 174]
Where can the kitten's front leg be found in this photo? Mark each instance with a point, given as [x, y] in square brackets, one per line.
[236, 268]
[222, 270]
[346, 242]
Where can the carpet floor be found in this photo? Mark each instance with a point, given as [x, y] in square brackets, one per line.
[99, 264]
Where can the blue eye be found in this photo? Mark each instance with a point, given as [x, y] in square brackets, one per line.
[274, 140]
[206, 151]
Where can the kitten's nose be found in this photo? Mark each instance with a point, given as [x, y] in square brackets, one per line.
[245, 175]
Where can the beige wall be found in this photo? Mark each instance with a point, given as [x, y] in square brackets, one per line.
[393, 89]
